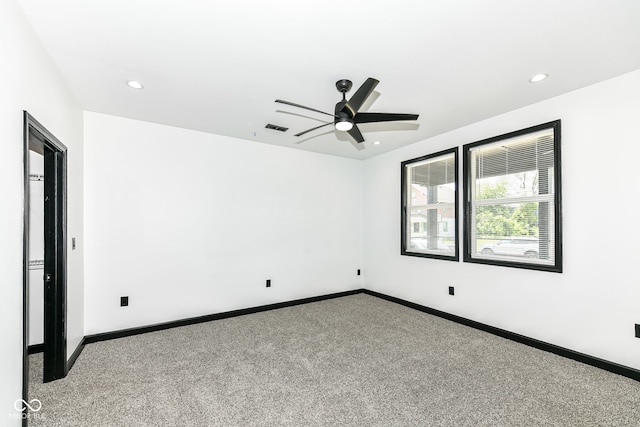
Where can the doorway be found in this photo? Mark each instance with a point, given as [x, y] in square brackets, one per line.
[37, 139]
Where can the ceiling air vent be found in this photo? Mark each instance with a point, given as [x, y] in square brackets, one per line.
[276, 127]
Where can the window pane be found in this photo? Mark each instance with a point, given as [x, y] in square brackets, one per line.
[507, 186]
[430, 231]
[429, 205]
[511, 231]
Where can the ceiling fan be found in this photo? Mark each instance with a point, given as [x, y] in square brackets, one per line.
[347, 115]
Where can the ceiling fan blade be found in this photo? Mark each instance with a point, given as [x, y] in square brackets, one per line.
[382, 117]
[302, 106]
[361, 95]
[355, 134]
[309, 130]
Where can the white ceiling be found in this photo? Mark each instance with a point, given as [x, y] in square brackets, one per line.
[218, 66]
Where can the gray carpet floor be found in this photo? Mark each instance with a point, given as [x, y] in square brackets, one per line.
[351, 361]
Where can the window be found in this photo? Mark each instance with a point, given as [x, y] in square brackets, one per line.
[430, 206]
[512, 199]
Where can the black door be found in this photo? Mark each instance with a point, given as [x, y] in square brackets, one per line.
[37, 138]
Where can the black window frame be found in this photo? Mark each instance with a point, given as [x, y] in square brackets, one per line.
[403, 205]
[557, 187]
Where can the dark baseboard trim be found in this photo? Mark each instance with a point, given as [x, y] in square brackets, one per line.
[90, 339]
[39, 348]
[74, 356]
[541, 345]
[615, 368]
[35, 348]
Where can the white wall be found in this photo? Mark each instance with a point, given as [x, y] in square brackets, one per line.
[591, 307]
[187, 223]
[11, 192]
[29, 81]
[46, 96]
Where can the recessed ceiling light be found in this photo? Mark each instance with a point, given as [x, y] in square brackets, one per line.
[376, 142]
[538, 78]
[134, 84]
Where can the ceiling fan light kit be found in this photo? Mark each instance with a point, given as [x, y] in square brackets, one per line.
[343, 124]
[347, 113]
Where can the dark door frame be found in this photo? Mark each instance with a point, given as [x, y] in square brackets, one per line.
[55, 270]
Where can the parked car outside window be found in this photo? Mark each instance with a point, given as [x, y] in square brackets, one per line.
[517, 246]
[423, 244]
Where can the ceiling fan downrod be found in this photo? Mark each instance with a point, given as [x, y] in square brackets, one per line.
[343, 87]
